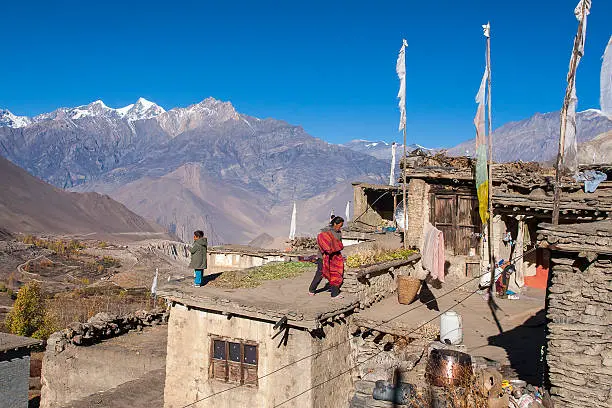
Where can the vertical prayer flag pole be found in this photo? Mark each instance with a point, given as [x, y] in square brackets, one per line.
[484, 167]
[487, 33]
[392, 174]
[292, 228]
[400, 67]
[567, 135]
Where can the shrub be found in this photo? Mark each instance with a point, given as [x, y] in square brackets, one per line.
[27, 314]
[110, 262]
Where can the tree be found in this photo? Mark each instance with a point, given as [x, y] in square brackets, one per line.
[27, 317]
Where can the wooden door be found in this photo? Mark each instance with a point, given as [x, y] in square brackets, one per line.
[458, 218]
[467, 226]
[444, 219]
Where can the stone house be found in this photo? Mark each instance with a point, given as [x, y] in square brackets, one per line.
[268, 345]
[229, 257]
[441, 190]
[219, 258]
[15, 369]
[102, 354]
[579, 311]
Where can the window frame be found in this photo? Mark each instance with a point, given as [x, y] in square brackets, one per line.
[245, 369]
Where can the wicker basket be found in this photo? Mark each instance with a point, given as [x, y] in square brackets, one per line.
[407, 289]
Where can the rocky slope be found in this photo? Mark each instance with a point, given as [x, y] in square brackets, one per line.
[29, 205]
[204, 166]
[537, 138]
[597, 151]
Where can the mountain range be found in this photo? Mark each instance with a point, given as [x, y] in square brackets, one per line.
[532, 139]
[205, 166]
[537, 138]
[381, 149]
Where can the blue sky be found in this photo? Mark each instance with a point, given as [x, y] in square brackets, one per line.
[326, 65]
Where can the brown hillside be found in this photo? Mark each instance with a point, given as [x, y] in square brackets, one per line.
[596, 151]
[29, 205]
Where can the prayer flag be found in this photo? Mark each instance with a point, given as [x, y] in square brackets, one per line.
[293, 222]
[400, 68]
[570, 156]
[482, 175]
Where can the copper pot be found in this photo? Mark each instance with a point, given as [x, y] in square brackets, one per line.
[448, 368]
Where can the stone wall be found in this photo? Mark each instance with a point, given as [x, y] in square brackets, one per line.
[188, 361]
[579, 351]
[380, 285]
[331, 367]
[383, 356]
[221, 261]
[103, 326]
[418, 211]
[71, 371]
[188, 379]
[580, 332]
[14, 378]
[362, 209]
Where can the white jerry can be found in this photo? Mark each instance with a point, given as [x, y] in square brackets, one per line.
[451, 328]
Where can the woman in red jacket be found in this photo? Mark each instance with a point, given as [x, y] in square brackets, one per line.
[330, 247]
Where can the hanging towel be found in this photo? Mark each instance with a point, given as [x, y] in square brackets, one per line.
[433, 252]
[591, 178]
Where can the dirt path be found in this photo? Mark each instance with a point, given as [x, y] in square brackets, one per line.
[20, 267]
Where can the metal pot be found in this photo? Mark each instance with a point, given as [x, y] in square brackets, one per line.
[448, 368]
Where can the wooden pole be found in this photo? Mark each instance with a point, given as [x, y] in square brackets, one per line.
[566, 101]
[490, 168]
[405, 204]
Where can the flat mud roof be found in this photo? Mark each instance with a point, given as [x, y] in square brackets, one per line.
[270, 301]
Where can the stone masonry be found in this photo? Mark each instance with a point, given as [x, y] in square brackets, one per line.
[579, 354]
[14, 372]
[382, 282]
[101, 354]
[15, 369]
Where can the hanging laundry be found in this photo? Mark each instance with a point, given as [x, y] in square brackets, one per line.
[508, 239]
[485, 279]
[433, 252]
[526, 237]
[591, 179]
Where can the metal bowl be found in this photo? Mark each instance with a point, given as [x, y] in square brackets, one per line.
[448, 368]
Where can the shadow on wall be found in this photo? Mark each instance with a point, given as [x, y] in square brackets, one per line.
[523, 345]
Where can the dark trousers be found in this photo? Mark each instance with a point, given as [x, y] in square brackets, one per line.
[335, 290]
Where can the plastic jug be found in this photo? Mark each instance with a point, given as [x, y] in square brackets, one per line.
[451, 328]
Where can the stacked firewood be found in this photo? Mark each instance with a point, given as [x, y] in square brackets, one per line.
[303, 243]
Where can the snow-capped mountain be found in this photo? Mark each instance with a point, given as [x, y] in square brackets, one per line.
[140, 110]
[206, 113]
[205, 166]
[14, 121]
[380, 149]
